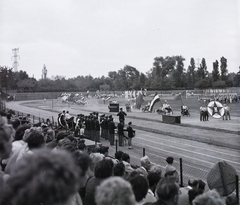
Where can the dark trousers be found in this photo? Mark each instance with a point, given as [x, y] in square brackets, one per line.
[120, 140]
[111, 138]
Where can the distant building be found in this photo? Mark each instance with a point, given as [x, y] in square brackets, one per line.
[44, 72]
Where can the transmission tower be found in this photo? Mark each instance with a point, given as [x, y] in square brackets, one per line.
[15, 58]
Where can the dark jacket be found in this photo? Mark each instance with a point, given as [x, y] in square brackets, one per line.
[131, 132]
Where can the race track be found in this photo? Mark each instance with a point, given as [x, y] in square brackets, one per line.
[200, 145]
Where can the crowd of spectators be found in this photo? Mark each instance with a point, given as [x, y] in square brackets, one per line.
[44, 166]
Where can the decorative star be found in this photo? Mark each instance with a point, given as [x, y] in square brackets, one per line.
[215, 109]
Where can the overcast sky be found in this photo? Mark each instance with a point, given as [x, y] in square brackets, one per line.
[92, 37]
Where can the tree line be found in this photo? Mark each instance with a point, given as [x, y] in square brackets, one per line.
[167, 73]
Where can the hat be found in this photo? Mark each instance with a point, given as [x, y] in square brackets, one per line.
[104, 149]
[129, 123]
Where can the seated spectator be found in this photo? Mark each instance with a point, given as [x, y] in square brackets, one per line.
[211, 197]
[103, 170]
[115, 191]
[119, 170]
[140, 188]
[145, 166]
[166, 192]
[44, 177]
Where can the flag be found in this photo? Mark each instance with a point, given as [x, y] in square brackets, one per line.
[154, 100]
[178, 97]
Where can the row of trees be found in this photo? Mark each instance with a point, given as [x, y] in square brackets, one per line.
[166, 73]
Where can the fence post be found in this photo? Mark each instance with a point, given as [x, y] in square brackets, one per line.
[33, 120]
[143, 152]
[237, 187]
[52, 120]
[181, 173]
[116, 145]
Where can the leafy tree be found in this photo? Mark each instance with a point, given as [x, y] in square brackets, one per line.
[6, 77]
[223, 68]
[202, 72]
[27, 84]
[191, 74]
[178, 72]
[215, 72]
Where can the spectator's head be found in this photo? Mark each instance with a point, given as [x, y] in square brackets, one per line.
[139, 186]
[153, 179]
[156, 169]
[104, 150]
[169, 160]
[61, 135]
[44, 177]
[35, 140]
[193, 183]
[20, 132]
[145, 162]
[118, 155]
[119, 169]
[6, 136]
[201, 184]
[167, 190]
[95, 157]
[211, 197]
[84, 162]
[126, 157]
[193, 193]
[104, 169]
[114, 191]
[231, 200]
[67, 145]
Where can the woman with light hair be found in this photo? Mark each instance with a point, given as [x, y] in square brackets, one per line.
[115, 191]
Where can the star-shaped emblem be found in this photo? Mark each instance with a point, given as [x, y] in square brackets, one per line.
[215, 109]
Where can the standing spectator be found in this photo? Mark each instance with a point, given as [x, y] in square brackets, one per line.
[6, 137]
[183, 198]
[121, 114]
[126, 162]
[211, 197]
[145, 166]
[166, 192]
[170, 169]
[103, 170]
[140, 188]
[44, 177]
[111, 131]
[120, 132]
[131, 134]
[97, 130]
[115, 191]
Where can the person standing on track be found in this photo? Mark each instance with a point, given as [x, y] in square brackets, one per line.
[131, 134]
[121, 114]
